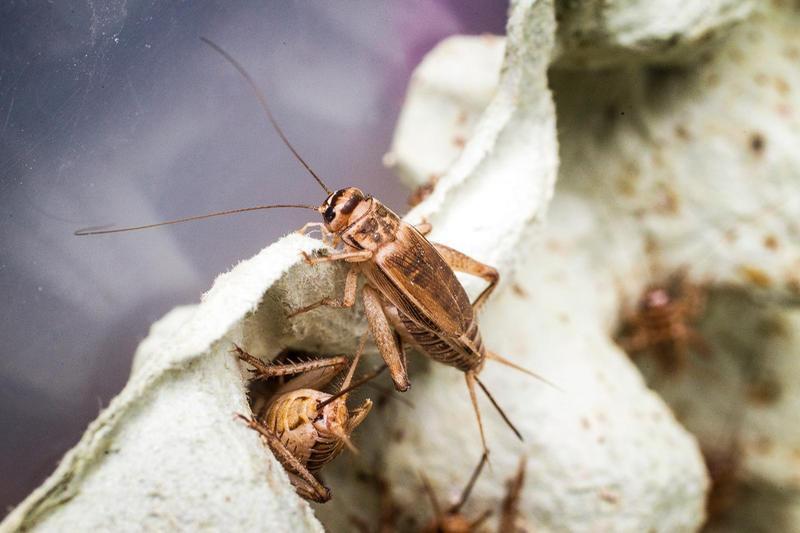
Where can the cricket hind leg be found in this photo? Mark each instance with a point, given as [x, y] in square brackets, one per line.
[303, 480]
[318, 492]
[470, 379]
[385, 338]
[463, 263]
[327, 237]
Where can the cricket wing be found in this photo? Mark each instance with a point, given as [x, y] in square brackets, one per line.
[412, 275]
[313, 379]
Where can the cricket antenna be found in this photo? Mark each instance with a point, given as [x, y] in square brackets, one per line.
[95, 230]
[263, 101]
[356, 384]
[347, 386]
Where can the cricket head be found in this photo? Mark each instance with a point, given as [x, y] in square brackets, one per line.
[656, 298]
[342, 205]
[449, 523]
[336, 420]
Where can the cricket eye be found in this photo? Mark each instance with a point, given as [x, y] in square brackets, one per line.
[329, 215]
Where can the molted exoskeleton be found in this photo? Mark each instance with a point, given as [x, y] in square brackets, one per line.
[304, 427]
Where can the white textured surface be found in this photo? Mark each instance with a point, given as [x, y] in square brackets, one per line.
[438, 145]
[659, 170]
[167, 453]
[469, 207]
[605, 455]
[599, 34]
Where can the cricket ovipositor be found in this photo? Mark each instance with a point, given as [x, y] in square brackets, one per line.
[410, 282]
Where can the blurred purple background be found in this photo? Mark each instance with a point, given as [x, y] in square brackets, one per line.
[115, 112]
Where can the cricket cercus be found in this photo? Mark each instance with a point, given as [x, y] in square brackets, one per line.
[410, 282]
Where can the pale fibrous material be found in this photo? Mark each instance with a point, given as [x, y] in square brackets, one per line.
[582, 186]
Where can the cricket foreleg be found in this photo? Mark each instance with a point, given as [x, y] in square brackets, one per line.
[464, 263]
[306, 484]
[424, 227]
[349, 257]
[327, 236]
[384, 338]
[348, 298]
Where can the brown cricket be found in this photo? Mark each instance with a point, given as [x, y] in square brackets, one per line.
[304, 427]
[664, 323]
[510, 518]
[410, 282]
[450, 519]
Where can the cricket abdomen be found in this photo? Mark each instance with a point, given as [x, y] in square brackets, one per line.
[291, 418]
[465, 353]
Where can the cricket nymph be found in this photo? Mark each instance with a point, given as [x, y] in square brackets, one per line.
[304, 427]
[314, 436]
[664, 323]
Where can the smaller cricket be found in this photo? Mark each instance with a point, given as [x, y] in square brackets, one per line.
[724, 467]
[451, 519]
[511, 521]
[304, 427]
[410, 288]
[664, 323]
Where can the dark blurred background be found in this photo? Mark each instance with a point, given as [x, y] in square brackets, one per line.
[114, 112]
